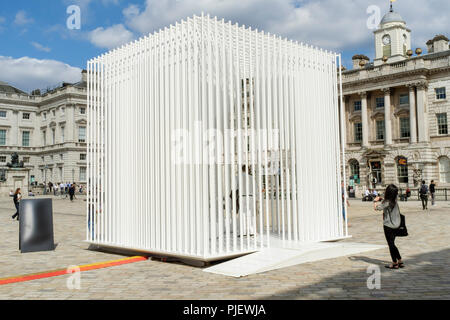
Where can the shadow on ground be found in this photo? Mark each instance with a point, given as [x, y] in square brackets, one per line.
[426, 276]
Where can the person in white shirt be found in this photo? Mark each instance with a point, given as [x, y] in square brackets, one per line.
[61, 189]
[367, 193]
[246, 205]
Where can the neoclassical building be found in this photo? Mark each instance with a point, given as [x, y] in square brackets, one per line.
[396, 111]
[47, 131]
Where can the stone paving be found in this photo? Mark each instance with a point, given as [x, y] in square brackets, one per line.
[426, 276]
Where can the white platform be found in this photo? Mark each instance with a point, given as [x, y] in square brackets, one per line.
[279, 257]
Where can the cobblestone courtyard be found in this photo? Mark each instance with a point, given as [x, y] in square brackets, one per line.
[426, 276]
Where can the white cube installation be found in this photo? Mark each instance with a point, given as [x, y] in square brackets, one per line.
[208, 140]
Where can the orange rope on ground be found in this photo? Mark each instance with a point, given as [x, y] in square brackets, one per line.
[55, 273]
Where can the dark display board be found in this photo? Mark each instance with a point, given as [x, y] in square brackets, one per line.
[36, 225]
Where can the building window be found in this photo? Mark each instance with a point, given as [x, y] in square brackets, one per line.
[61, 156]
[444, 170]
[2, 137]
[83, 157]
[380, 130]
[357, 105]
[26, 159]
[44, 137]
[63, 129]
[53, 136]
[441, 94]
[404, 99]
[43, 159]
[2, 159]
[358, 132]
[402, 170]
[26, 138]
[405, 131]
[63, 110]
[82, 174]
[82, 134]
[82, 110]
[26, 116]
[379, 102]
[44, 115]
[354, 169]
[2, 114]
[61, 174]
[442, 123]
[54, 113]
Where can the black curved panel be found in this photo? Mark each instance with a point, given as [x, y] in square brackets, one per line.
[36, 225]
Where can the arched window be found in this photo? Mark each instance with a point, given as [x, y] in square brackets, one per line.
[444, 170]
[402, 170]
[354, 169]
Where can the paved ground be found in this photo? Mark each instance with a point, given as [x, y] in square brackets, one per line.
[426, 252]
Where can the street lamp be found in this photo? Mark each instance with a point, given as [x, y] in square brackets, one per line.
[45, 179]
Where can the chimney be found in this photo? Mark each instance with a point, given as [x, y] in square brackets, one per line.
[438, 44]
[359, 61]
[84, 76]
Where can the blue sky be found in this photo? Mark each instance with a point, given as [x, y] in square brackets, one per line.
[38, 50]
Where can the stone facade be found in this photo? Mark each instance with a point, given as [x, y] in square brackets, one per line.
[47, 131]
[396, 113]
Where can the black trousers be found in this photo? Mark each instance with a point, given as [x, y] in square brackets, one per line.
[390, 235]
[17, 211]
[424, 199]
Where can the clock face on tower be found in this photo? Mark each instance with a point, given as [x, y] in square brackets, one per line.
[386, 40]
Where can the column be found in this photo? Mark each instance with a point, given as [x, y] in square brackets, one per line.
[412, 114]
[365, 119]
[70, 134]
[422, 113]
[387, 117]
[344, 132]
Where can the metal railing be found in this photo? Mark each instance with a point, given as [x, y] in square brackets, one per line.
[441, 194]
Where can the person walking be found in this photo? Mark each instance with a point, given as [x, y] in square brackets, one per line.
[61, 188]
[423, 192]
[391, 222]
[17, 197]
[71, 192]
[432, 192]
[344, 200]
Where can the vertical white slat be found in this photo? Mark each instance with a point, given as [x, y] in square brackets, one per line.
[252, 43]
[212, 193]
[225, 227]
[185, 124]
[343, 145]
[238, 93]
[218, 167]
[88, 139]
[192, 117]
[257, 114]
[232, 67]
[244, 127]
[288, 100]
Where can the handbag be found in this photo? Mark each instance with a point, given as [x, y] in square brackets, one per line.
[402, 231]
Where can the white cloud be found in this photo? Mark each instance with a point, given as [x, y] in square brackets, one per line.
[22, 19]
[40, 47]
[28, 73]
[332, 24]
[111, 37]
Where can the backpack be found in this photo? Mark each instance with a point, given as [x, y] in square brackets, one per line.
[423, 189]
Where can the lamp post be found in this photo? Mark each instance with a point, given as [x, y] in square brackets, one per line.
[45, 179]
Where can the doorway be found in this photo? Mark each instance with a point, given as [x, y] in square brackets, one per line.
[376, 177]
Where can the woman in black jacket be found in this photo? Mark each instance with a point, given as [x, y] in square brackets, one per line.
[16, 199]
